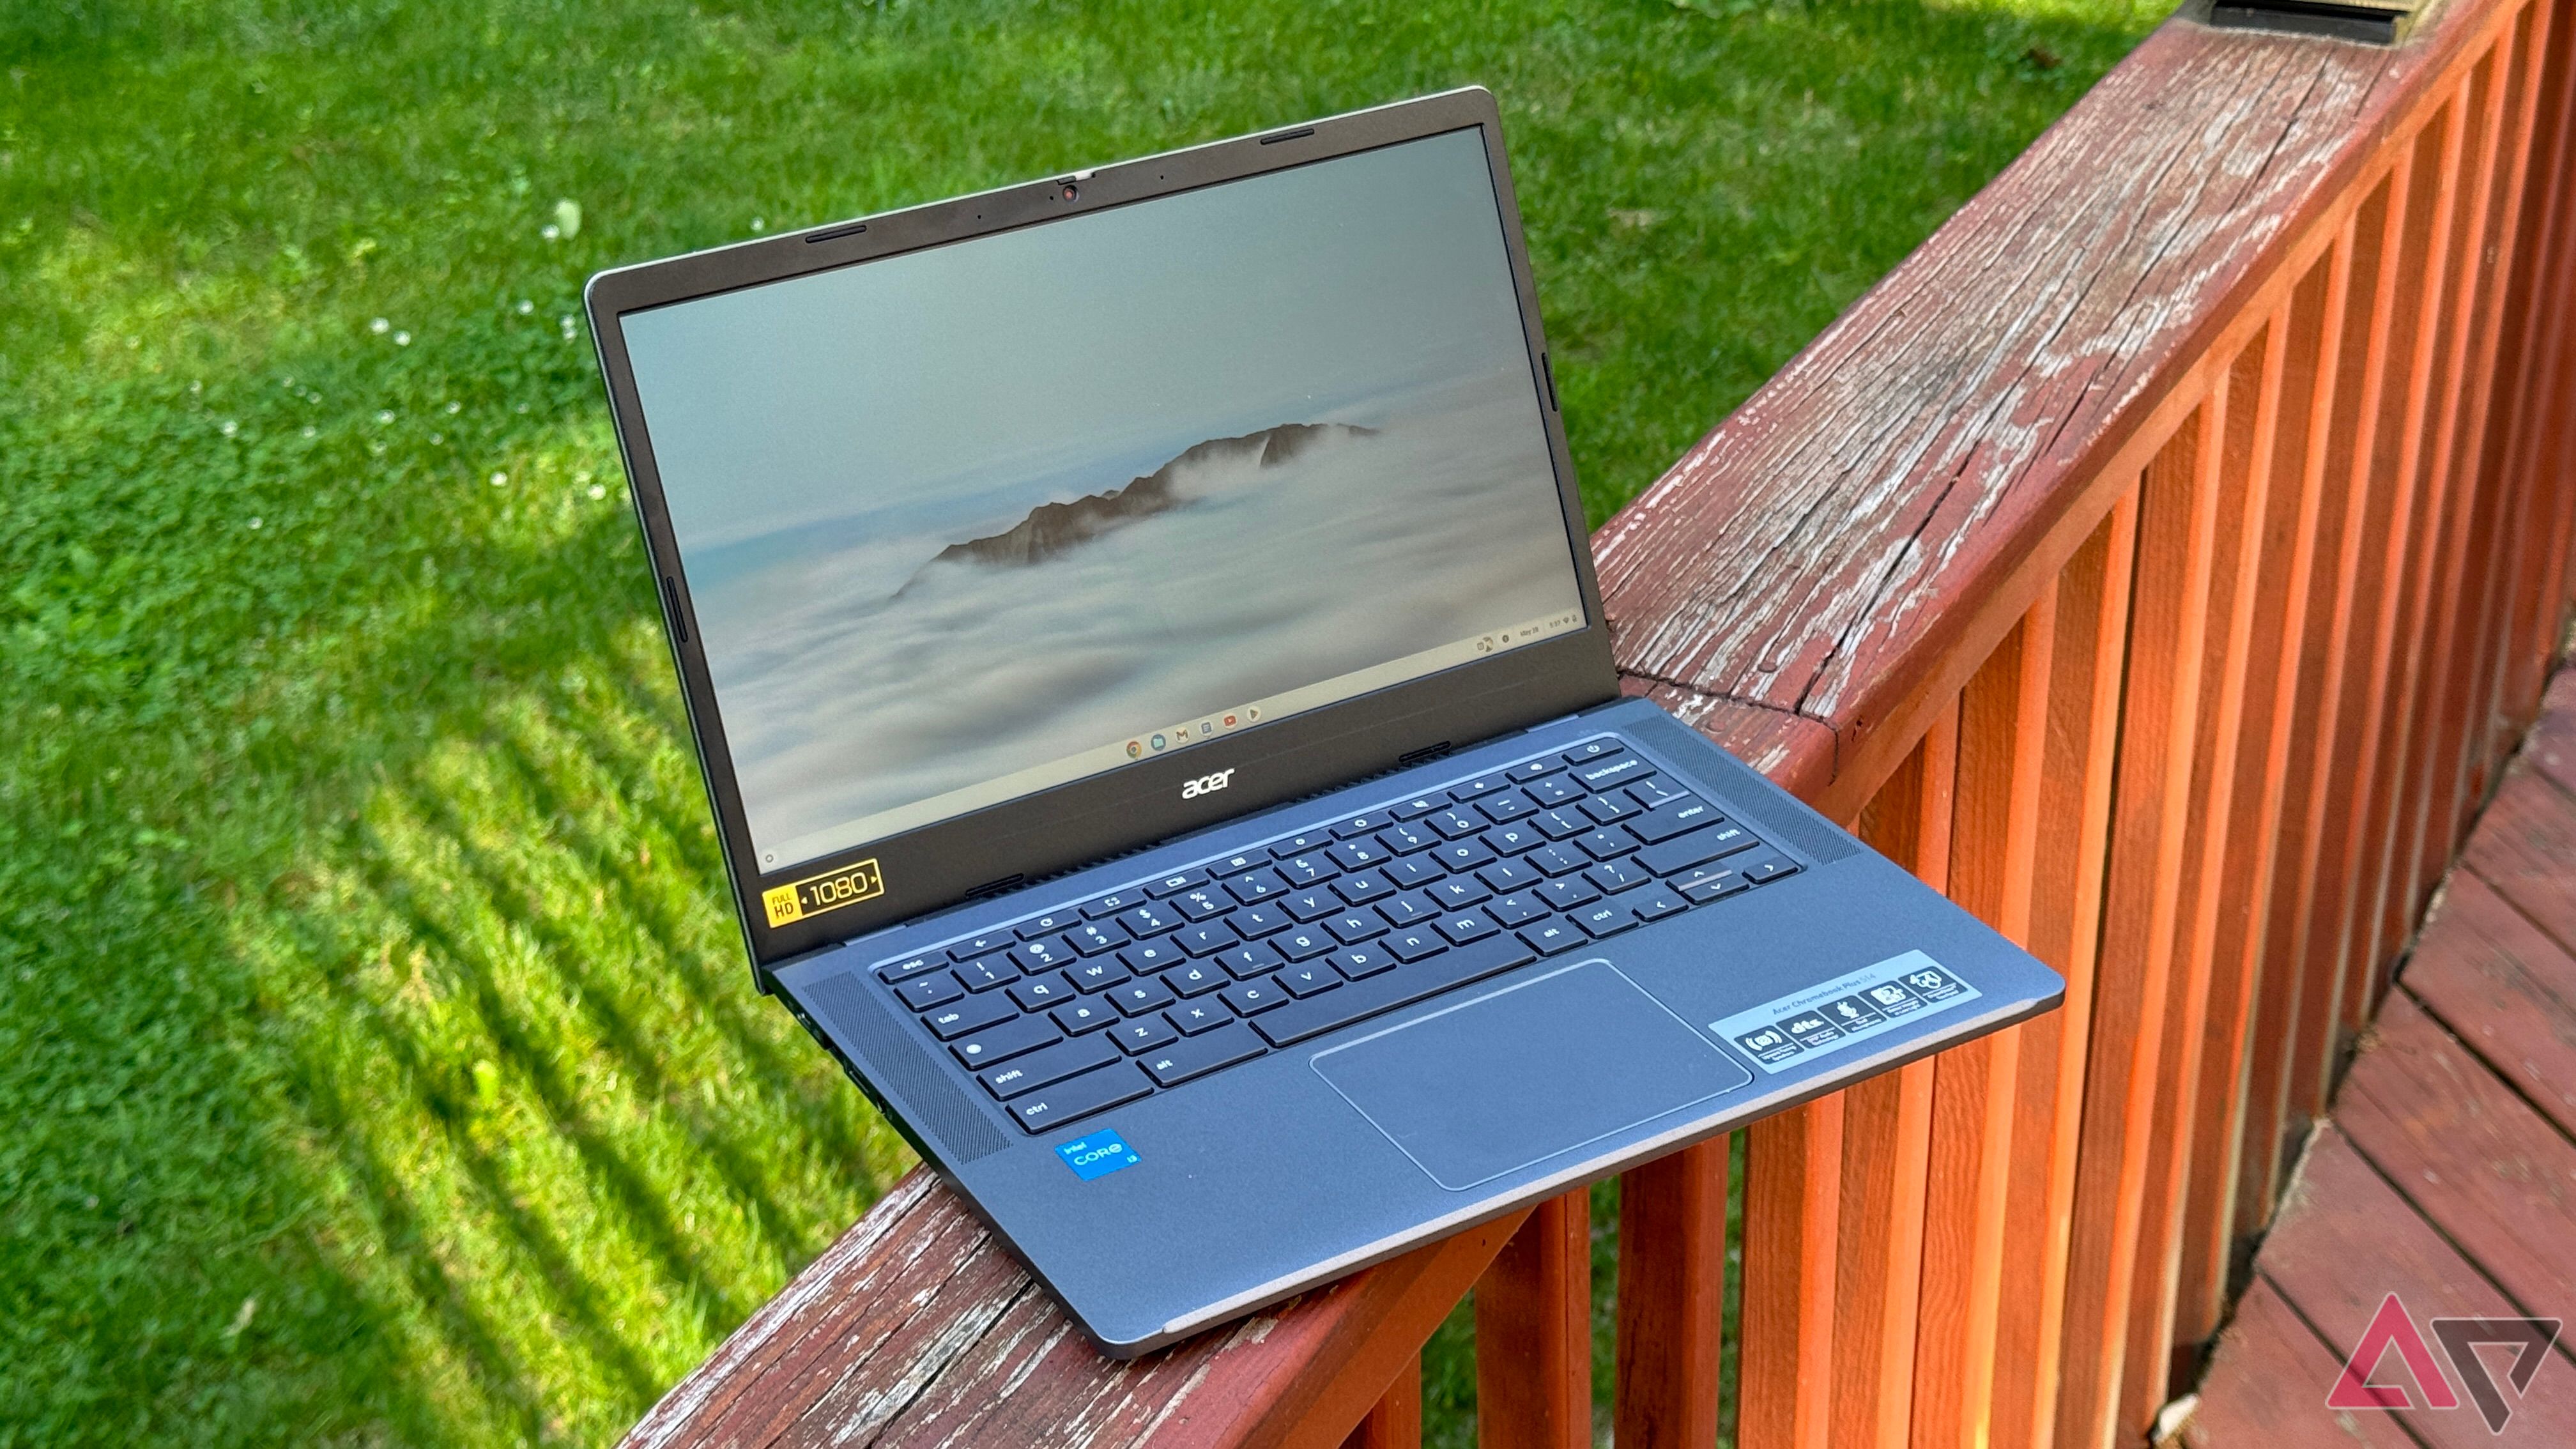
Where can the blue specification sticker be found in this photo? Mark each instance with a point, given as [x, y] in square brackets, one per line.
[1097, 1154]
[1780, 1034]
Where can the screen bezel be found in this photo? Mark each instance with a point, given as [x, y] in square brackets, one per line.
[1125, 808]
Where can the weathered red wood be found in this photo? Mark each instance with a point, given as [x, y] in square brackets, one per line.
[2267, 1385]
[2475, 1159]
[1672, 1299]
[1395, 1420]
[1534, 1332]
[2348, 1240]
[2537, 354]
[2505, 989]
[2527, 851]
[2550, 750]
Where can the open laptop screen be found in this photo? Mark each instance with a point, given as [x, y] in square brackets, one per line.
[965, 523]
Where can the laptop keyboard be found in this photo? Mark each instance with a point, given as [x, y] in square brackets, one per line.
[1102, 1001]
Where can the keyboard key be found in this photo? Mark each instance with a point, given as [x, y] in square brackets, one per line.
[1138, 997]
[1043, 954]
[1708, 882]
[1080, 1097]
[1558, 859]
[1361, 962]
[1561, 824]
[1238, 863]
[1614, 876]
[1606, 844]
[987, 973]
[984, 945]
[1710, 843]
[910, 966]
[1413, 871]
[925, 992]
[1455, 824]
[1655, 902]
[1406, 836]
[1205, 939]
[1566, 894]
[1412, 943]
[1351, 927]
[1253, 921]
[1360, 889]
[1312, 905]
[1458, 892]
[1193, 1017]
[1076, 1017]
[1039, 992]
[1770, 865]
[1604, 918]
[1481, 785]
[1654, 791]
[1686, 813]
[1358, 854]
[1310, 978]
[1510, 875]
[1149, 920]
[1616, 770]
[1462, 854]
[1304, 943]
[1368, 824]
[1251, 998]
[1553, 935]
[1306, 844]
[1607, 808]
[1513, 839]
[1093, 937]
[1147, 957]
[1199, 1055]
[1359, 1000]
[1312, 868]
[1408, 908]
[1045, 1068]
[1517, 909]
[1143, 1035]
[1051, 924]
[1256, 885]
[1004, 1040]
[1196, 977]
[1555, 790]
[1462, 927]
[1591, 750]
[1247, 961]
[1110, 905]
[1511, 805]
[1175, 883]
[1528, 770]
[1419, 806]
[1202, 902]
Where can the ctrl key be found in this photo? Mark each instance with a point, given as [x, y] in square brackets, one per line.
[1079, 1097]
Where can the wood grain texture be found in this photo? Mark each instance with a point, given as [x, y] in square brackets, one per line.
[1395, 1420]
[1672, 1299]
[1534, 1332]
[2267, 1388]
[2525, 847]
[1792, 1208]
[2505, 989]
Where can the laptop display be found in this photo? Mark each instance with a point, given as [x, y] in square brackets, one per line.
[968, 522]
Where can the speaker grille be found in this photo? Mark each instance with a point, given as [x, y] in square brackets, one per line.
[902, 1071]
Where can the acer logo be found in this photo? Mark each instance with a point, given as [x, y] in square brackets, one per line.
[1207, 784]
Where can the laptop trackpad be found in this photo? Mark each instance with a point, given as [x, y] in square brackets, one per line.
[1507, 1080]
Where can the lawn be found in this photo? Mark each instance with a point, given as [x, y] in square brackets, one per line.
[377, 1063]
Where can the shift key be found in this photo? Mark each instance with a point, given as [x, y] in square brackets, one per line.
[1026, 1074]
[1079, 1097]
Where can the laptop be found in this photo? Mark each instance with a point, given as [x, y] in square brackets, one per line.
[1144, 654]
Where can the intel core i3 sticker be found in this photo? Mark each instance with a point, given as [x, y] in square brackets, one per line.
[1097, 1154]
[1843, 1011]
[843, 886]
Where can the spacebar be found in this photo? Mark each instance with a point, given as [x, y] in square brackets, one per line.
[1318, 1014]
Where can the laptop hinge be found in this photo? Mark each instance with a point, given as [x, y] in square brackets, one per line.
[1427, 753]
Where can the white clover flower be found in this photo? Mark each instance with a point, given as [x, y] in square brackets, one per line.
[526, 306]
[597, 492]
[231, 427]
[380, 327]
[550, 231]
[402, 339]
[311, 431]
[254, 522]
[454, 407]
[499, 479]
[384, 415]
[758, 225]
[567, 220]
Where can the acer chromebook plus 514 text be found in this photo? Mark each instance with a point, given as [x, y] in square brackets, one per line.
[1144, 653]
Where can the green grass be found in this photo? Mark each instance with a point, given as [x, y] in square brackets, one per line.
[376, 1062]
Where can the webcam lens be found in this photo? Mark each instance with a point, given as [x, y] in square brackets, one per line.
[1071, 191]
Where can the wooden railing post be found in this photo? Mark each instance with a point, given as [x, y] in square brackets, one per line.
[1534, 1333]
[1672, 1299]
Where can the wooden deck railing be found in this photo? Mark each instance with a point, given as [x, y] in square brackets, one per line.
[2159, 561]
